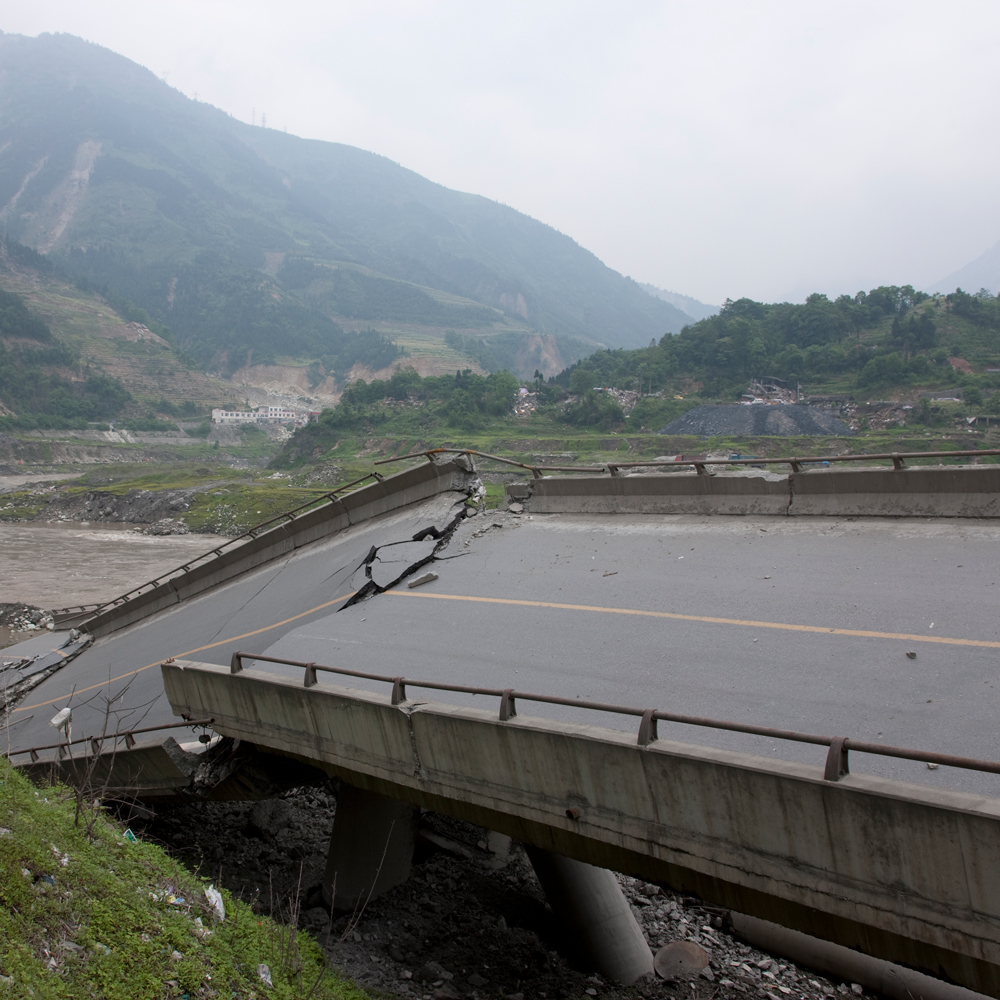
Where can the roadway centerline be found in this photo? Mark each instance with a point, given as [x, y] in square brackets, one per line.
[703, 618]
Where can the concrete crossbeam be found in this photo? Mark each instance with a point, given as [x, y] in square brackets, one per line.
[906, 873]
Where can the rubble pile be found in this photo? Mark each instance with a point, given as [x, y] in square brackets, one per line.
[24, 618]
[737, 420]
[166, 526]
[470, 922]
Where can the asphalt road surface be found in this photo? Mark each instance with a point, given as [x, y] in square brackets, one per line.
[797, 624]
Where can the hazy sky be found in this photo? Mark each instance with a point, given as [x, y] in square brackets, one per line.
[716, 149]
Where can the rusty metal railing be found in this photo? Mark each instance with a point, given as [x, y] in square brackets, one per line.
[836, 760]
[67, 615]
[97, 742]
[798, 464]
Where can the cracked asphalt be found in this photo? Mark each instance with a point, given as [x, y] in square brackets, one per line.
[246, 613]
[802, 625]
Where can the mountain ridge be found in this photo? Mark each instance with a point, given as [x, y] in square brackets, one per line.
[983, 272]
[208, 223]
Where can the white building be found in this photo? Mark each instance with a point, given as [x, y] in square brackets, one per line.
[274, 414]
[262, 415]
[220, 416]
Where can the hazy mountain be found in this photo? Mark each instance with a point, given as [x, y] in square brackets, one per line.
[244, 238]
[983, 272]
[691, 307]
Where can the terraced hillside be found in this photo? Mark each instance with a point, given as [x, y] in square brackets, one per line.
[99, 339]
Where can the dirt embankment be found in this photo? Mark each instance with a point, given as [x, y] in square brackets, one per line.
[794, 420]
[160, 510]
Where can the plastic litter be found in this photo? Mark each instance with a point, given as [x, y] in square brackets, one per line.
[61, 718]
[214, 898]
[48, 880]
[130, 836]
[265, 974]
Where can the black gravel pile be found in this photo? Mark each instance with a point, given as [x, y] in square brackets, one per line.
[469, 923]
[792, 420]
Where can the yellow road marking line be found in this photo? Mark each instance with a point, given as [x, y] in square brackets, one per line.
[704, 618]
[211, 645]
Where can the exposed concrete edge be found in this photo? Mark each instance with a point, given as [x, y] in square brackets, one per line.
[946, 491]
[391, 493]
[397, 752]
[877, 975]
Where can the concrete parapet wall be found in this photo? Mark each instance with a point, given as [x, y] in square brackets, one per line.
[906, 873]
[393, 492]
[972, 491]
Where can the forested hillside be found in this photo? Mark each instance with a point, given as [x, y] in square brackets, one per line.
[887, 340]
[889, 343]
[70, 357]
[249, 243]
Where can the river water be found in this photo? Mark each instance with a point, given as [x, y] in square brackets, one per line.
[61, 564]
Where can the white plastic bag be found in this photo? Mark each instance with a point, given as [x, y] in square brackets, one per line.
[214, 897]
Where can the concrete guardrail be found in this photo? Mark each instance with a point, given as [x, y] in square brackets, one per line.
[917, 491]
[905, 873]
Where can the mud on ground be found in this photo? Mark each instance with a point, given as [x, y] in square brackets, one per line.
[470, 922]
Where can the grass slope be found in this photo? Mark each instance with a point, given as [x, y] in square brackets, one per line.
[88, 911]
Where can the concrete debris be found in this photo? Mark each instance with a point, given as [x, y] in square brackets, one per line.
[680, 960]
[268, 818]
[488, 927]
[516, 508]
[421, 580]
[24, 618]
[911, 654]
[167, 526]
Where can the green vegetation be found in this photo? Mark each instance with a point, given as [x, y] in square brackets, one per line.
[892, 340]
[88, 910]
[465, 401]
[17, 320]
[883, 337]
[41, 398]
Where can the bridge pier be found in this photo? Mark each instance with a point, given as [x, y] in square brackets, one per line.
[371, 847]
[591, 904]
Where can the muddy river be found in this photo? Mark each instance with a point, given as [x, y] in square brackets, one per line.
[57, 565]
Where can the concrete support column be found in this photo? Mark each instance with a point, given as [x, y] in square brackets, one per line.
[371, 847]
[591, 904]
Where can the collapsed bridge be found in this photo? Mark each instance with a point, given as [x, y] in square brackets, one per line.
[615, 591]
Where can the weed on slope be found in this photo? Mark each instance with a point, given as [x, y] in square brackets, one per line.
[88, 910]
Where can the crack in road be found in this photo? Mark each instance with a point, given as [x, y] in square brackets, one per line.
[441, 537]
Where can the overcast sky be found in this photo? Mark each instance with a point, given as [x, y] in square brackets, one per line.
[715, 149]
